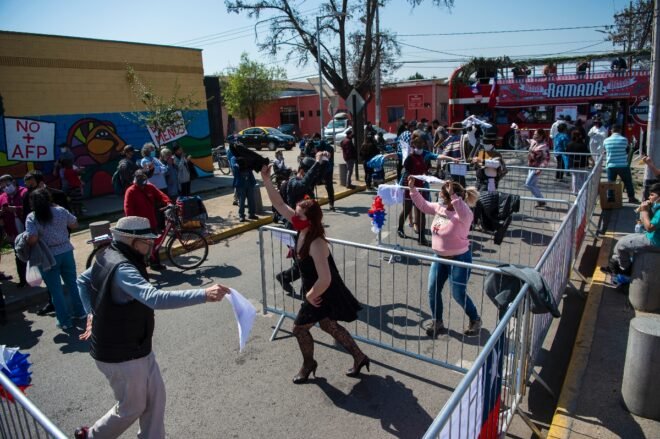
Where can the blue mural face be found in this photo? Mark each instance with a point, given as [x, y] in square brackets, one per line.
[96, 141]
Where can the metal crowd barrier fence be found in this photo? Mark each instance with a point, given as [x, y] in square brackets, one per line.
[485, 401]
[524, 241]
[20, 418]
[394, 298]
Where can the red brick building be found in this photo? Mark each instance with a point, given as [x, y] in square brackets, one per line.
[299, 104]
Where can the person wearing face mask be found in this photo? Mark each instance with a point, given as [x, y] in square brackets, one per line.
[119, 302]
[144, 199]
[35, 180]
[416, 163]
[630, 245]
[597, 135]
[11, 209]
[154, 168]
[50, 224]
[454, 150]
[488, 175]
[450, 229]
[326, 297]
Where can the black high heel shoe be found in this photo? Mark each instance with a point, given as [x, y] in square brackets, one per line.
[304, 373]
[354, 372]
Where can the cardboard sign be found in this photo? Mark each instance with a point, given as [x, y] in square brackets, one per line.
[29, 140]
[171, 133]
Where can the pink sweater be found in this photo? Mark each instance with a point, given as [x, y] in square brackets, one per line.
[450, 228]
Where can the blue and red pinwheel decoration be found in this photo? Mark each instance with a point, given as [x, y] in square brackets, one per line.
[16, 366]
[377, 215]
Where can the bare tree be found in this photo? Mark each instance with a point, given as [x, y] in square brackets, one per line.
[633, 27]
[351, 49]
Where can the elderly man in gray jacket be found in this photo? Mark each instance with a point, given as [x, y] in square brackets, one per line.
[120, 301]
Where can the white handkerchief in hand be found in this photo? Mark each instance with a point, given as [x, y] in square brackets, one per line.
[430, 179]
[245, 314]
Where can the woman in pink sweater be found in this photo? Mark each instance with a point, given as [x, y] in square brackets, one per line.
[449, 230]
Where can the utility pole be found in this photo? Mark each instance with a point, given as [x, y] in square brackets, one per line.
[318, 51]
[377, 115]
[653, 148]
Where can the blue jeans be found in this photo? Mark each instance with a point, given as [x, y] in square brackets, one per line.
[64, 270]
[532, 183]
[245, 189]
[438, 275]
[626, 177]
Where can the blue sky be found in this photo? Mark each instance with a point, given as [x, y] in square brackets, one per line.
[207, 25]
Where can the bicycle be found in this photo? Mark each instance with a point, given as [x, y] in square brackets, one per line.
[220, 157]
[186, 249]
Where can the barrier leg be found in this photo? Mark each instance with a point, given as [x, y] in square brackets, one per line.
[538, 378]
[277, 327]
[529, 422]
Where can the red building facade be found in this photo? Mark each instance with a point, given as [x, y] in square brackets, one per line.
[410, 99]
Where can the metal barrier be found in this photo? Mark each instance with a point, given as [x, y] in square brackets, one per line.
[394, 298]
[20, 418]
[525, 240]
[491, 391]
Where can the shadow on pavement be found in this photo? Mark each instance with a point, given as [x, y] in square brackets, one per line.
[17, 330]
[204, 275]
[381, 398]
[69, 340]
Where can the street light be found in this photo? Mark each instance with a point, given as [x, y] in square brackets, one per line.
[318, 53]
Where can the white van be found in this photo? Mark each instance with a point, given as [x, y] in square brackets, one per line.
[340, 123]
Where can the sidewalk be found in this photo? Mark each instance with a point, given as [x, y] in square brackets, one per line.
[223, 223]
[590, 404]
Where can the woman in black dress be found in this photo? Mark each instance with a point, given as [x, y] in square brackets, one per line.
[326, 298]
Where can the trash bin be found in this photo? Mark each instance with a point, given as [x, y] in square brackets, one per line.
[99, 228]
[258, 203]
[342, 173]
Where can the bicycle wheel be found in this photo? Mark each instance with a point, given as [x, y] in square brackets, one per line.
[223, 165]
[187, 249]
[92, 255]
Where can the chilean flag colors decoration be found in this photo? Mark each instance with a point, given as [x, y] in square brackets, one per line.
[477, 415]
[377, 215]
[15, 366]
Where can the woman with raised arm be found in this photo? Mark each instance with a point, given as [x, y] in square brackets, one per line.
[326, 298]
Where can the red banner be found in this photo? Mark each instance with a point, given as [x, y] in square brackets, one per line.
[573, 88]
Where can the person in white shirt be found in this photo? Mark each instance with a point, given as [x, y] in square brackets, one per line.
[597, 135]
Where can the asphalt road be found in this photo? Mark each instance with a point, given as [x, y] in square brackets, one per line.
[215, 391]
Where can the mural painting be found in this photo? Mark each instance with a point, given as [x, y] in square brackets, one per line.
[96, 141]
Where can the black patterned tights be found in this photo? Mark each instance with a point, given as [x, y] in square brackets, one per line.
[338, 332]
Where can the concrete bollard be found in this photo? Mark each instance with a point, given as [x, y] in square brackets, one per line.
[644, 294]
[641, 387]
[343, 170]
[99, 228]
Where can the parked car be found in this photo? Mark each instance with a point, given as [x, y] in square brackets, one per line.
[268, 137]
[291, 129]
[389, 138]
[340, 123]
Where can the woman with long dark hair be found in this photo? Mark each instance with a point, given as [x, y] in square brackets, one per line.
[326, 298]
[51, 224]
[538, 157]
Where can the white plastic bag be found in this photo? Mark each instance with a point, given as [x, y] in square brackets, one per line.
[33, 276]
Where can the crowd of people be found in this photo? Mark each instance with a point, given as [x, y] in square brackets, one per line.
[116, 300]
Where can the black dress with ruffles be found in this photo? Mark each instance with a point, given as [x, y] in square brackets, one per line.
[337, 302]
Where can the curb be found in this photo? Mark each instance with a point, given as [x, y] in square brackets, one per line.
[562, 420]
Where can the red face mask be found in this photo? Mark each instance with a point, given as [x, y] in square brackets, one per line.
[298, 223]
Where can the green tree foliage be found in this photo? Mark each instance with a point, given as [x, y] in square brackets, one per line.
[416, 76]
[250, 87]
[156, 111]
[633, 27]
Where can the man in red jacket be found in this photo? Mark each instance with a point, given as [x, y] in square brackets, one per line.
[143, 199]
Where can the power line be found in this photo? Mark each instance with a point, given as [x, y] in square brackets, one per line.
[504, 31]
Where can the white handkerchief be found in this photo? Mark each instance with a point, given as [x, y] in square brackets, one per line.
[286, 238]
[245, 314]
[405, 151]
[430, 179]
